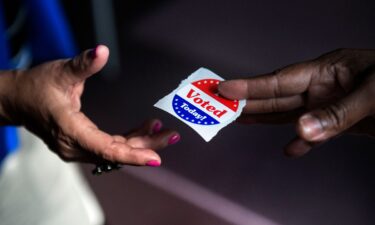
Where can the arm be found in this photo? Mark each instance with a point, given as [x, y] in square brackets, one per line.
[6, 83]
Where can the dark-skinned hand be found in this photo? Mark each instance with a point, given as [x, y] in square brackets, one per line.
[325, 97]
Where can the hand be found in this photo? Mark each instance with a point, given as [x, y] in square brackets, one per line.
[46, 100]
[325, 97]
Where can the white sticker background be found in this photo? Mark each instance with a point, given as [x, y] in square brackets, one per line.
[206, 131]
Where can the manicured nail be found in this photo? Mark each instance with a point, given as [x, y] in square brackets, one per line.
[311, 127]
[174, 139]
[93, 52]
[157, 127]
[153, 163]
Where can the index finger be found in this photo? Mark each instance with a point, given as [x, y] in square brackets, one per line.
[289, 81]
[108, 147]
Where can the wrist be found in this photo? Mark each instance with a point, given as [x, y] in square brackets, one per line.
[7, 87]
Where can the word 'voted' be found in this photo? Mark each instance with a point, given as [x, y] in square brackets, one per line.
[197, 103]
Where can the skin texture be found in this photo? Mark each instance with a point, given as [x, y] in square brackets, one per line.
[324, 97]
[46, 100]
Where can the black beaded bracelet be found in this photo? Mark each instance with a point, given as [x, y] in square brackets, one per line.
[105, 167]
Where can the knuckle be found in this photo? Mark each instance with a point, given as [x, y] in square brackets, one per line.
[108, 154]
[341, 51]
[337, 58]
[136, 157]
[62, 147]
[78, 64]
[119, 138]
[334, 63]
[112, 152]
[247, 85]
[276, 84]
[340, 74]
[337, 115]
[276, 72]
[57, 65]
[329, 69]
[66, 155]
[335, 54]
[160, 144]
[274, 105]
[341, 67]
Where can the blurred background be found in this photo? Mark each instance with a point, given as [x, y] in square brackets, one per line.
[241, 176]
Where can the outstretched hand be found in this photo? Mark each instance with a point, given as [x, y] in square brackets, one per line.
[325, 97]
[47, 101]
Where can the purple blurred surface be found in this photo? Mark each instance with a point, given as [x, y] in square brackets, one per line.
[162, 43]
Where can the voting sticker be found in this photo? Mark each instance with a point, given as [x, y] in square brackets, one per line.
[196, 102]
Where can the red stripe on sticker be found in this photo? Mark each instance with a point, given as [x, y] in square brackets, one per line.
[209, 86]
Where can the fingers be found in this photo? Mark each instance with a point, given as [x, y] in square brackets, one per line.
[116, 149]
[149, 127]
[156, 141]
[298, 147]
[78, 128]
[271, 118]
[292, 80]
[272, 105]
[123, 153]
[151, 135]
[324, 123]
[86, 64]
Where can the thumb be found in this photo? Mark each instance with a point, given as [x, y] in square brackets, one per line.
[324, 123]
[86, 64]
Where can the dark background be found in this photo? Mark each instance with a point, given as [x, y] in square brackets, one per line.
[162, 42]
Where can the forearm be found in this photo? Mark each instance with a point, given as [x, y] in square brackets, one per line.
[7, 81]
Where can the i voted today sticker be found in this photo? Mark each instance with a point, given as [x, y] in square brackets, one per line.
[196, 102]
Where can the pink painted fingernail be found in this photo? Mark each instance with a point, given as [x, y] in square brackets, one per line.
[157, 127]
[174, 139]
[153, 163]
[93, 52]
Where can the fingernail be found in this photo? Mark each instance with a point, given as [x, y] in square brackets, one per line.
[153, 163]
[311, 127]
[156, 127]
[174, 139]
[93, 52]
